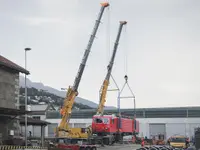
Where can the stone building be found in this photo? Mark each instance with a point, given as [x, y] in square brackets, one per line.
[9, 96]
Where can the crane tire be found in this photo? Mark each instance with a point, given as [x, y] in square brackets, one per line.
[93, 148]
[87, 148]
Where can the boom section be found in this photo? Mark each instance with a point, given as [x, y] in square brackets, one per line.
[104, 87]
[87, 51]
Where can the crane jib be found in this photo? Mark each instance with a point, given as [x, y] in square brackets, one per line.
[104, 88]
[87, 51]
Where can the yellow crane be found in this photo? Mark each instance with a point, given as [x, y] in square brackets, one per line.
[105, 84]
[63, 130]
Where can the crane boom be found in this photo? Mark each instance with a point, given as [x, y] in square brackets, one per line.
[73, 91]
[87, 51]
[104, 88]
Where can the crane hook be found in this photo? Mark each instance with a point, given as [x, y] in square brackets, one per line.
[126, 78]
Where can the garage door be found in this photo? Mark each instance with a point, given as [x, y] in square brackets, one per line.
[155, 129]
[175, 129]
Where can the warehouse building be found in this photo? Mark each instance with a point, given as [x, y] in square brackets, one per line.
[153, 121]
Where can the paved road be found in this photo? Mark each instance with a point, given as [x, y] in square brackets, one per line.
[120, 147]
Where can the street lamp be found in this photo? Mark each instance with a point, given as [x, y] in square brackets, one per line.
[26, 49]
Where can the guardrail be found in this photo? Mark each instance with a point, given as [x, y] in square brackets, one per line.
[14, 147]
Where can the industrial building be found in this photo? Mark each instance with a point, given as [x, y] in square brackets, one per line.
[11, 115]
[153, 121]
[9, 96]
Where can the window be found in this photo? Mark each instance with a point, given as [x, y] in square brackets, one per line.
[178, 140]
[101, 120]
[36, 117]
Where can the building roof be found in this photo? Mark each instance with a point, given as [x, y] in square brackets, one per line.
[167, 112]
[43, 107]
[11, 112]
[34, 122]
[9, 64]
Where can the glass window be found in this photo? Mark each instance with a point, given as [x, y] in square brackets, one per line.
[178, 140]
[36, 117]
[101, 120]
[106, 120]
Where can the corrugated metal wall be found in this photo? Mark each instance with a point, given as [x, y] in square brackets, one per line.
[192, 126]
[172, 125]
[79, 125]
[175, 129]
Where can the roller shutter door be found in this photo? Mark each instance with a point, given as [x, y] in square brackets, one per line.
[51, 128]
[155, 129]
[175, 129]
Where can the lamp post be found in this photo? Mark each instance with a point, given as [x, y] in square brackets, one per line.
[26, 49]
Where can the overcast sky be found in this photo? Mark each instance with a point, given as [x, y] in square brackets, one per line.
[161, 40]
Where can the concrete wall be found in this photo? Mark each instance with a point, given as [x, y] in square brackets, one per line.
[9, 89]
[9, 98]
[183, 126]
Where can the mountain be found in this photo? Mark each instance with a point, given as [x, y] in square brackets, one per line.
[38, 97]
[41, 86]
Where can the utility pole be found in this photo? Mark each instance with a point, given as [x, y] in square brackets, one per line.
[26, 49]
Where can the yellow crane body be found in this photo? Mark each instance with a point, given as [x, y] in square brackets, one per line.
[63, 130]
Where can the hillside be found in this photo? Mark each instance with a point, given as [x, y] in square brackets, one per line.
[41, 86]
[41, 97]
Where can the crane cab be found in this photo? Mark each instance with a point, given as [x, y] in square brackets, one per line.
[104, 124]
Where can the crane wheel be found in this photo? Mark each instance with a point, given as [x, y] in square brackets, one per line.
[93, 148]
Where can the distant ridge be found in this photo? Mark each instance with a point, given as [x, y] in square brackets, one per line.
[39, 86]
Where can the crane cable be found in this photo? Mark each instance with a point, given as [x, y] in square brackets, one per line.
[125, 51]
[126, 71]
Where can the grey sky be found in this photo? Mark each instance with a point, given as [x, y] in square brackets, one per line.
[162, 40]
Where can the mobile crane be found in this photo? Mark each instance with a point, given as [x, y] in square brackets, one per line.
[105, 84]
[63, 130]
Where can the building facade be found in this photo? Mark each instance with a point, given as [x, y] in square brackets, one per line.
[9, 95]
[153, 121]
